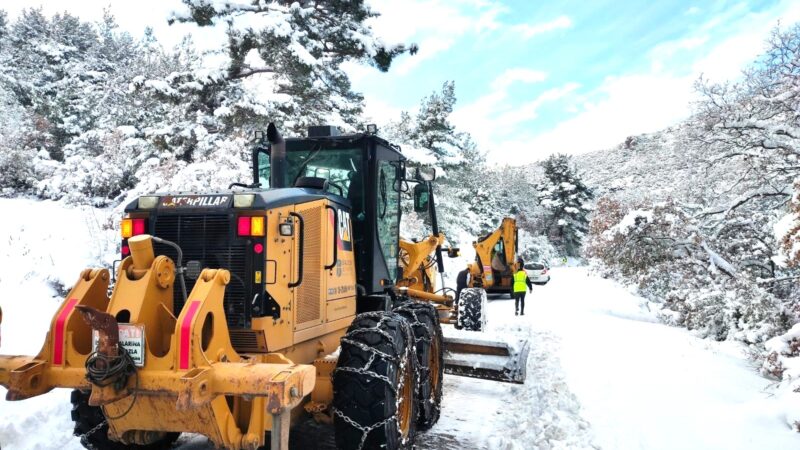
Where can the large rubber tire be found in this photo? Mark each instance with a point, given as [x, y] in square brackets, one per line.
[472, 309]
[374, 402]
[87, 418]
[427, 331]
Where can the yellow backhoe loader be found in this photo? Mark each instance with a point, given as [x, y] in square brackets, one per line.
[234, 313]
[496, 259]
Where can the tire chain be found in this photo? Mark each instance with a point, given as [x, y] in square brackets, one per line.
[85, 436]
[419, 368]
[364, 430]
[382, 317]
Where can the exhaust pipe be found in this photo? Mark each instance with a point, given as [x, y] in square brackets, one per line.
[277, 176]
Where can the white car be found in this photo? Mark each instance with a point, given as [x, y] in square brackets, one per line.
[538, 273]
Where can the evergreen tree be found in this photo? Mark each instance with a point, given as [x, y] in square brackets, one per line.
[567, 199]
[3, 23]
[463, 188]
[299, 47]
[433, 129]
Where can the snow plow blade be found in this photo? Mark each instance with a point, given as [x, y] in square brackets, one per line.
[488, 360]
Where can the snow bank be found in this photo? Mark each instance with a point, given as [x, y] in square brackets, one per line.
[45, 246]
[643, 384]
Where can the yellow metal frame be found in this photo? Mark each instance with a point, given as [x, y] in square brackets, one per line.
[417, 262]
[192, 380]
[480, 270]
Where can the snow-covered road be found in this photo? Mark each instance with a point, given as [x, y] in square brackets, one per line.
[602, 373]
[644, 385]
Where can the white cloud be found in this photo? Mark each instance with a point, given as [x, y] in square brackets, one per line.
[692, 11]
[649, 101]
[436, 25]
[513, 75]
[528, 31]
[630, 105]
[493, 115]
[380, 112]
[529, 110]
[428, 49]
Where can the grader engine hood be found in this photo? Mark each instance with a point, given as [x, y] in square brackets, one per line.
[224, 230]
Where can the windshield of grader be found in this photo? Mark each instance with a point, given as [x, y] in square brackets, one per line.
[341, 167]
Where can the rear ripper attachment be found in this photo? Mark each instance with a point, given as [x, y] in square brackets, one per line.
[187, 378]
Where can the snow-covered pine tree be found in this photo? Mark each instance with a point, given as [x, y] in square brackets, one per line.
[567, 199]
[3, 23]
[464, 184]
[298, 48]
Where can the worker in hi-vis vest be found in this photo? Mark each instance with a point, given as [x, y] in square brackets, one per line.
[521, 283]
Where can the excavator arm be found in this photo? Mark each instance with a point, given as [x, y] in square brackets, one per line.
[481, 271]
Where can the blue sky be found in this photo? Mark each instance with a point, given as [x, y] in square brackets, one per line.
[534, 77]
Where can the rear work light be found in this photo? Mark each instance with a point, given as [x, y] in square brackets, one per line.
[251, 226]
[131, 227]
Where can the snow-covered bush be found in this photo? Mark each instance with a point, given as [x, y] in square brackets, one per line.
[695, 216]
[661, 249]
[536, 248]
[637, 240]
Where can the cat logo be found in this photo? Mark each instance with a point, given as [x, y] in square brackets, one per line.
[344, 240]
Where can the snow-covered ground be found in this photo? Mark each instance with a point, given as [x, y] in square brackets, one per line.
[44, 246]
[602, 373]
[644, 385]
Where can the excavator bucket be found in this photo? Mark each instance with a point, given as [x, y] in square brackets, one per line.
[488, 360]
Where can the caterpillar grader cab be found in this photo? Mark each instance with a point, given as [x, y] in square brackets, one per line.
[496, 259]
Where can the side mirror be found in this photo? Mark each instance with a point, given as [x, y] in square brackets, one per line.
[422, 198]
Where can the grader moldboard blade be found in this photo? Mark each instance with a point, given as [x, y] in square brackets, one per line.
[488, 360]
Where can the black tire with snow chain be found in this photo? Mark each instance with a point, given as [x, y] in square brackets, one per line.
[424, 321]
[472, 309]
[88, 418]
[374, 405]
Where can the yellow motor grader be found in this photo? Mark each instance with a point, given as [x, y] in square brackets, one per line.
[235, 313]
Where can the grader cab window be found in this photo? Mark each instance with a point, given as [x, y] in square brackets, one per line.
[388, 213]
[339, 166]
[263, 169]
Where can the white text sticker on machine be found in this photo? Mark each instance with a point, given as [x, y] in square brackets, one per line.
[131, 337]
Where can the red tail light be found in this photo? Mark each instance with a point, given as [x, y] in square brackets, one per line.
[251, 226]
[132, 227]
[244, 226]
[138, 227]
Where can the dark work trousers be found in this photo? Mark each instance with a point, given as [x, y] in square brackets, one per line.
[519, 302]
